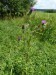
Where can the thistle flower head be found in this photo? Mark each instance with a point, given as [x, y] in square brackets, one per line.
[32, 9]
[43, 22]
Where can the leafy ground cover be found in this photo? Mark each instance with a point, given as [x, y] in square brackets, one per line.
[24, 50]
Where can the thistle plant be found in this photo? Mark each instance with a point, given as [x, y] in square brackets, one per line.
[43, 31]
[46, 30]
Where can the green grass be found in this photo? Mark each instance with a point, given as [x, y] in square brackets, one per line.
[24, 53]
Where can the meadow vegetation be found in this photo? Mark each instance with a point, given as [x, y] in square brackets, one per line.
[25, 50]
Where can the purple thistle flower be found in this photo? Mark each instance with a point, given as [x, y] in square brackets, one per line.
[32, 9]
[43, 22]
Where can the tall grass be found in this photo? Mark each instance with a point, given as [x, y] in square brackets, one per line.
[28, 53]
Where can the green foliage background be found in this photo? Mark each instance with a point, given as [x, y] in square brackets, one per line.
[27, 55]
[14, 7]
